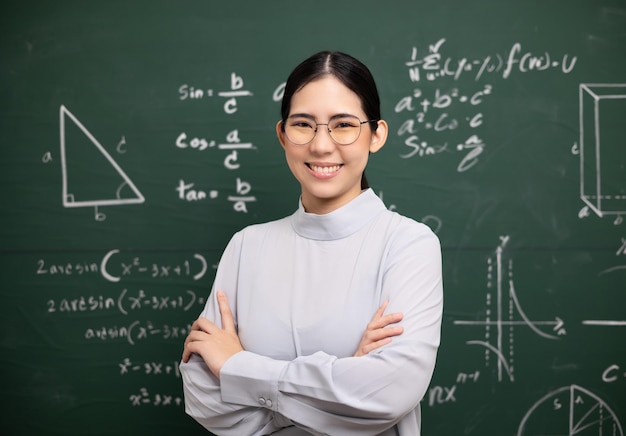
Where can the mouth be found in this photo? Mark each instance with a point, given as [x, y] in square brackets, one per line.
[324, 169]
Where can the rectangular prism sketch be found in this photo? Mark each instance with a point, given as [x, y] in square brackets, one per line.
[603, 147]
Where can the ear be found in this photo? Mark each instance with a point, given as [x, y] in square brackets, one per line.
[379, 137]
[280, 133]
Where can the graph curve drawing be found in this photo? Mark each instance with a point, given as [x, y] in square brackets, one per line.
[120, 189]
[503, 313]
[570, 411]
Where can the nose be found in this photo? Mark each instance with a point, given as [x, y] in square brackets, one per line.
[322, 142]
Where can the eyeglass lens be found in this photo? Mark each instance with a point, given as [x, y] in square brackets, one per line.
[343, 130]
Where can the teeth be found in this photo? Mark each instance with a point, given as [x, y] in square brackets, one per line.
[325, 170]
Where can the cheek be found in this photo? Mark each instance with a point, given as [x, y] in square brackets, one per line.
[294, 161]
[358, 156]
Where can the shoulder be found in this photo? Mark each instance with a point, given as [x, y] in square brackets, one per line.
[403, 225]
[406, 233]
[261, 231]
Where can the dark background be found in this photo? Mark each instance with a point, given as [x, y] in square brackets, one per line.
[525, 186]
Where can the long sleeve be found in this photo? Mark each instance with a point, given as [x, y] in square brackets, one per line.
[356, 395]
[302, 293]
[202, 389]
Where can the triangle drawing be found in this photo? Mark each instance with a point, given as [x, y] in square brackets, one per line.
[91, 177]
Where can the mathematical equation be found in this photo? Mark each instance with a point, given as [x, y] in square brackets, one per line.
[145, 398]
[189, 92]
[233, 144]
[435, 112]
[114, 266]
[130, 316]
[155, 369]
[137, 331]
[446, 394]
[125, 303]
[433, 65]
[128, 367]
[188, 191]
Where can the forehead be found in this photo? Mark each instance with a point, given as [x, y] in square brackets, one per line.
[326, 96]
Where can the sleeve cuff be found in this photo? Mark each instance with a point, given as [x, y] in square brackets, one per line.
[251, 380]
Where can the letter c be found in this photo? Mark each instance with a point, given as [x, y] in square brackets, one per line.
[605, 375]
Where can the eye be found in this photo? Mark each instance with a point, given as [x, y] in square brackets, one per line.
[301, 124]
[345, 123]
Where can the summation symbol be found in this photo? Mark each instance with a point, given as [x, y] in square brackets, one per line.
[91, 179]
[506, 315]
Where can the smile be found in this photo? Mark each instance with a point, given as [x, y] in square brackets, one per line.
[324, 169]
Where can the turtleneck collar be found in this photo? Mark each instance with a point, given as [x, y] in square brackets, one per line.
[339, 223]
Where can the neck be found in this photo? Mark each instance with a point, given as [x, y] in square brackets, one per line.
[323, 206]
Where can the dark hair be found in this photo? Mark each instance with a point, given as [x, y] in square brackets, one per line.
[349, 71]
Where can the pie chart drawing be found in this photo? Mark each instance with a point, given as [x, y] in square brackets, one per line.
[570, 411]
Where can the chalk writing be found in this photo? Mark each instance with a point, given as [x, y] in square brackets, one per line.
[434, 65]
[442, 111]
[446, 394]
[136, 331]
[604, 323]
[233, 144]
[80, 304]
[448, 110]
[504, 315]
[585, 412]
[144, 398]
[441, 395]
[128, 367]
[188, 92]
[66, 269]
[106, 164]
[602, 170]
[189, 193]
[122, 266]
[621, 251]
[125, 302]
[613, 373]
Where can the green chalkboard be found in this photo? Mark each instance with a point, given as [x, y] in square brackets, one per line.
[136, 137]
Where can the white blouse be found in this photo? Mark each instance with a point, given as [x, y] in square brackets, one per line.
[302, 290]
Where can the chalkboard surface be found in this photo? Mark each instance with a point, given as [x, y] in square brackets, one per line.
[136, 137]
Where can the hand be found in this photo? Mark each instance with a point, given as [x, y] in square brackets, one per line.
[378, 332]
[215, 345]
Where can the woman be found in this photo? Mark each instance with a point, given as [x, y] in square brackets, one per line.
[295, 339]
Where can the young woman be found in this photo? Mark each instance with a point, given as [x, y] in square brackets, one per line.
[326, 321]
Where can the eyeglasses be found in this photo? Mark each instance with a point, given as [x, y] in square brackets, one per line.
[343, 129]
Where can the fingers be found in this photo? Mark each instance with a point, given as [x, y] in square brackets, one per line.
[379, 320]
[198, 332]
[187, 352]
[192, 337]
[380, 330]
[366, 349]
[202, 328]
[202, 325]
[381, 310]
[382, 333]
[228, 321]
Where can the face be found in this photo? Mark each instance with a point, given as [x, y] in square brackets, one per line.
[329, 173]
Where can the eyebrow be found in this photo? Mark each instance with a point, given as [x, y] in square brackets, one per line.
[311, 117]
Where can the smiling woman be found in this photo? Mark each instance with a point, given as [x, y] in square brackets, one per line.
[328, 166]
[319, 321]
